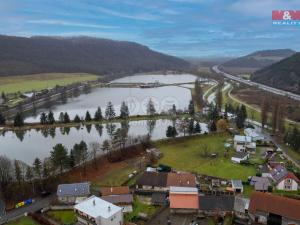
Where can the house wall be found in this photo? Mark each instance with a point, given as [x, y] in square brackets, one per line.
[116, 219]
[68, 199]
[281, 186]
[286, 221]
[240, 148]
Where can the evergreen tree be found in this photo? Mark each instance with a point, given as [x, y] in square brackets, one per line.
[37, 166]
[18, 120]
[66, 118]
[3, 96]
[213, 126]
[84, 155]
[191, 128]
[110, 111]
[124, 111]
[151, 108]
[61, 117]
[59, 157]
[213, 112]
[174, 110]
[88, 117]
[43, 118]
[197, 128]
[72, 162]
[77, 119]
[2, 119]
[191, 108]
[98, 114]
[50, 118]
[171, 132]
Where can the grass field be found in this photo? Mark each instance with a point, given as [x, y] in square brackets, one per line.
[114, 177]
[23, 221]
[188, 155]
[139, 207]
[12, 84]
[63, 216]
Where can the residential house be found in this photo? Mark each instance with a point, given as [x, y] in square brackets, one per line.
[250, 132]
[284, 180]
[240, 156]
[152, 181]
[183, 199]
[260, 183]
[119, 196]
[237, 186]
[243, 143]
[241, 206]
[265, 208]
[97, 211]
[120, 190]
[70, 193]
[212, 204]
[181, 180]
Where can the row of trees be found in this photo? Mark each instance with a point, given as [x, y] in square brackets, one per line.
[292, 138]
[183, 126]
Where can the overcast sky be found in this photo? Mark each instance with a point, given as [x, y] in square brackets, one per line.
[179, 27]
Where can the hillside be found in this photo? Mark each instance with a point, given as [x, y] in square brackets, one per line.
[284, 74]
[20, 56]
[255, 61]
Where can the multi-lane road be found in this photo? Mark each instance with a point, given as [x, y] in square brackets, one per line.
[257, 85]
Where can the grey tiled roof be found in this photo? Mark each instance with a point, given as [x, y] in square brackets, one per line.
[216, 203]
[76, 189]
[278, 172]
[117, 199]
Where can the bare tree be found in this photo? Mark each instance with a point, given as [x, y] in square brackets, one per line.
[5, 173]
[264, 111]
[95, 147]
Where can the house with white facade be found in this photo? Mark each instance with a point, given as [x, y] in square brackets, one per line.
[240, 156]
[96, 211]
[284, 180]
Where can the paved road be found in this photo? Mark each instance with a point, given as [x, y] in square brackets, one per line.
[257, 85]
[36, 206]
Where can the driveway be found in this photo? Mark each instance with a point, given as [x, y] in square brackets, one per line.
[36, 206]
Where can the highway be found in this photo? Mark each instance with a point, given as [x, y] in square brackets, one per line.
[257, 85]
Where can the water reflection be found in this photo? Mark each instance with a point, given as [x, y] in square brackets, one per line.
[27, 145]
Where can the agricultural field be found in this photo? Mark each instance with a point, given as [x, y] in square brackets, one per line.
[203, 154]
[11, 84]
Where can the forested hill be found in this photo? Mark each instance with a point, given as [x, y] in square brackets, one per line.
[284, 74]
[256, 61]
[20, 56]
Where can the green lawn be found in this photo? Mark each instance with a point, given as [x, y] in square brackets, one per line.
[41, 81]
[63, 216]
[247, 190]
[139, 207]
[23, 221]
[188, 155]
[114, 177]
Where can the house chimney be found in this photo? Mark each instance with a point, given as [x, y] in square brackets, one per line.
[109, 208]
[94, 202]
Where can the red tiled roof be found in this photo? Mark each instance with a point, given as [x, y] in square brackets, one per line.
[269, 203]
[181, 180]
[122, 190]
[289, 175]
[184, 201]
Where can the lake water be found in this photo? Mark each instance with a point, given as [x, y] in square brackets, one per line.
[152, 78]
[136, 98]
[28, 145]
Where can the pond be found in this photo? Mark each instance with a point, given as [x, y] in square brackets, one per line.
[27, 145]
[136, 99]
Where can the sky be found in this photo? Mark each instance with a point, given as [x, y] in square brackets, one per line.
[186, 28]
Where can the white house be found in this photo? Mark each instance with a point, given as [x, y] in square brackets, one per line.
[237, 186]
[243, 143]
[250, 132]
[284, 180]
[94, 210]
[239, 156]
